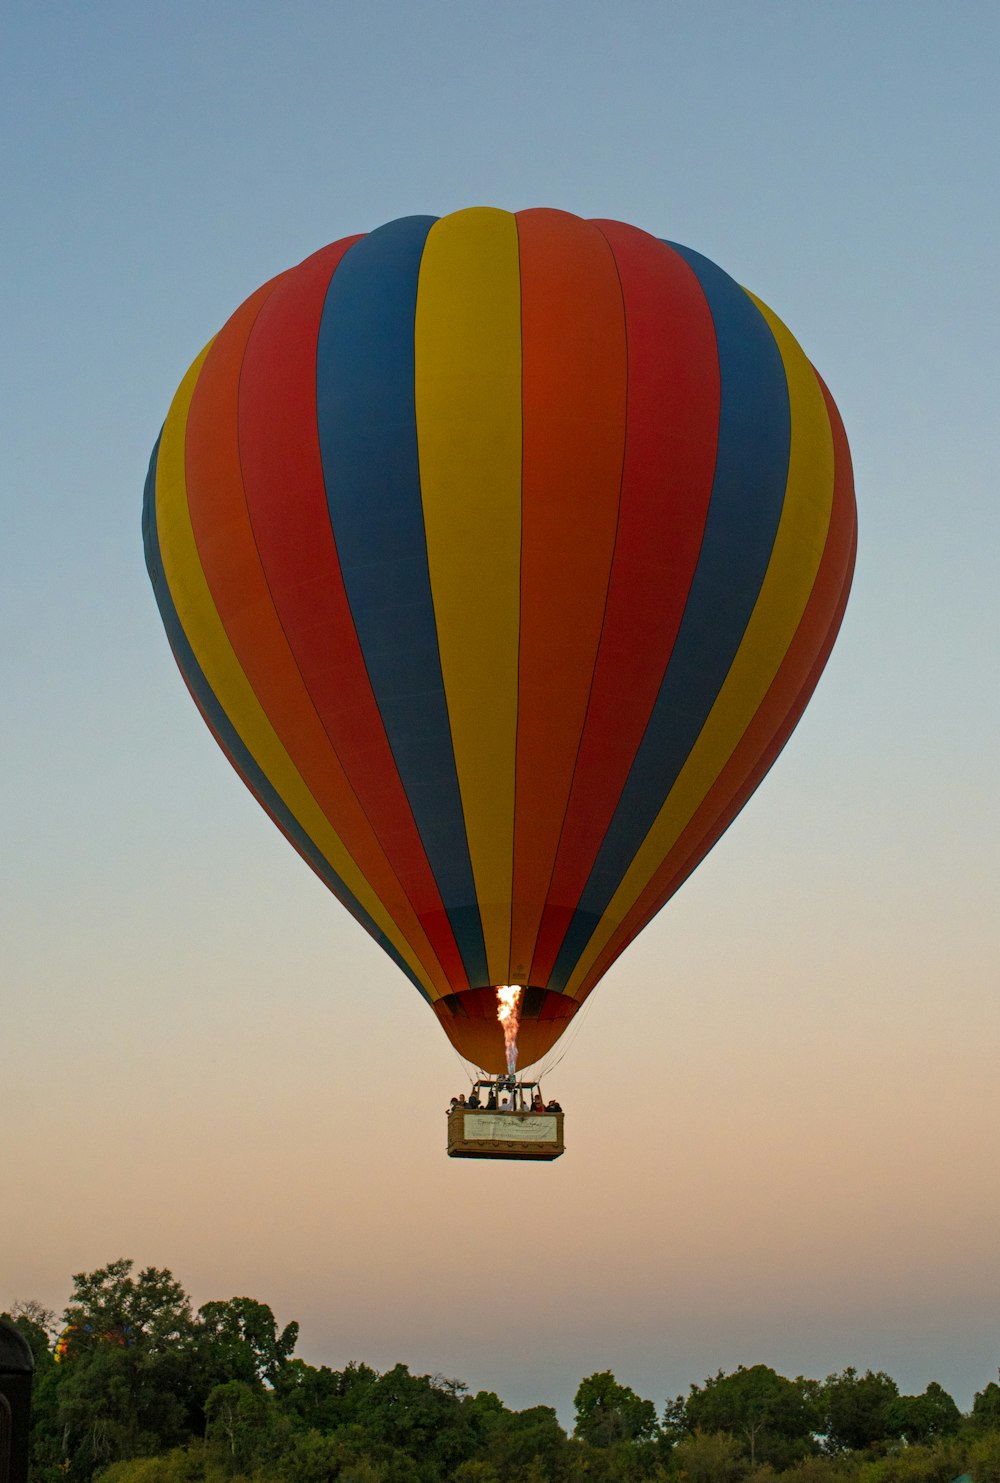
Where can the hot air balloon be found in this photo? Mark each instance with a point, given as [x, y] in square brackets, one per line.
[76, 1337]
[501, 554]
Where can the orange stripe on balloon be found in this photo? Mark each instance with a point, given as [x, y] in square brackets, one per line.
[574, 382]
[233, 570]
[774, 720]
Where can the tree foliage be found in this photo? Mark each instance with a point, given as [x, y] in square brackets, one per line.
[922, 1418]
[986, 1408]
[147, 1391]
[607, 1412]
[859, 1411]
[711, 1457]
[775, 1418]
[240, 1338]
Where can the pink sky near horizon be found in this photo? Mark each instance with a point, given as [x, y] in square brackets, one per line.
[794, 1169]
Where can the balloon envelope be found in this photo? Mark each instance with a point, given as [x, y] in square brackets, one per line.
[501, 554]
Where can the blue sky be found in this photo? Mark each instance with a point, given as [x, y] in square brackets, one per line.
[193, 1030]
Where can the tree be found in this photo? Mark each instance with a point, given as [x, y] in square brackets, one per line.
[984, 1458]
[347, 1455]
[243, 1426]
[986, 1408]
[127, 1385]
[311, 1457]
[36, 1313]
[816, 1470]
[674, 1425]
[937, 1464]
[110, 1305]
[321, 1398]
[420, 1415]
[607, 1412]
[775, 1417]
[513, 1441]
[710, 1457]
[858, 1410]
[476, 1471]
[240, 1341]
[923, 1418]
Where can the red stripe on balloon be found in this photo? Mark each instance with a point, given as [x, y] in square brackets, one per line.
[280, 452]
[672, 421]
[574, 383]
[775, 719]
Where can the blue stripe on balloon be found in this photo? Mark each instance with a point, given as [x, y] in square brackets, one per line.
[748, 494]
[368, 439]
[229, 739]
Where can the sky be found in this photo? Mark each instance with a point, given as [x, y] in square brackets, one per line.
[783, 1115]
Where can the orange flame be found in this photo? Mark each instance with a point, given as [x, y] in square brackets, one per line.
[509, 1015]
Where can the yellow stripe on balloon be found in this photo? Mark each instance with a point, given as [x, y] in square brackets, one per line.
[467, 380]
[788, 581]
[198, 616]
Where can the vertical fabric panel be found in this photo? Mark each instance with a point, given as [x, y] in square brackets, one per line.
[670, 454]
[791, 573]
[748, 495]
[574, 379]
[211, 648]
[287, 505]
[368, 442]
[468, 411]
[236, 580]
[774, 720]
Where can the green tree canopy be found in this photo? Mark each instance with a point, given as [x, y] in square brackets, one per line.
[512, 1440]
[322, 1398]
[923, 1418]
[421, 1415]
[986, 1408]
[710, 1457]
[774, 1417]
[147, 1392]
[243, 1426]
[150, 1310]
[140, 1368]
[240, 1341]
[607, 1412]
[939, 1463]
[858, 1411]
[127, 1386]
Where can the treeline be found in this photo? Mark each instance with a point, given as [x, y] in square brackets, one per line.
[134, 1387]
